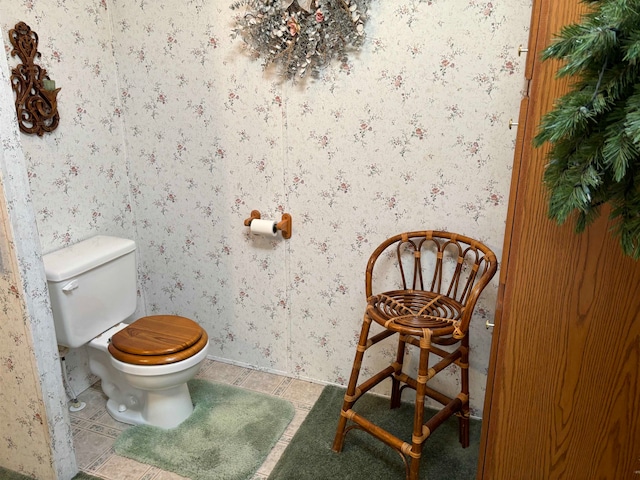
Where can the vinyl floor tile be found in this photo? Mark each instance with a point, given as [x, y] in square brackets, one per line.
[95, 431]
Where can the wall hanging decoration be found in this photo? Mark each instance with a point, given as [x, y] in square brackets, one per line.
[594, 130]
[301, 36]
[36, 93]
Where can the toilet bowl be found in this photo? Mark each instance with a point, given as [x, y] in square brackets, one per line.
[143, 366]
[149, 387]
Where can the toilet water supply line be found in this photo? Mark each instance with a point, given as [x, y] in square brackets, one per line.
[75, 405]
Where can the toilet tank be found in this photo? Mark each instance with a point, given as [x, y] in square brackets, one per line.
[92, 286]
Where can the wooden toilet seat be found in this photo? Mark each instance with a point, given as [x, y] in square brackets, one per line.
[158, 340]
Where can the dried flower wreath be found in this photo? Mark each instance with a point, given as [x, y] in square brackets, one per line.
[301, 36]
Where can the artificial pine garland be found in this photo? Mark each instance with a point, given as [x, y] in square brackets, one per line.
[594, 130]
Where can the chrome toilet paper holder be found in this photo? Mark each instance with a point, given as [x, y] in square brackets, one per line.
[284, 225]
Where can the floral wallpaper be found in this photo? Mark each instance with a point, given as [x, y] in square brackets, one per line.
[22, 436]
[35, 434]
[171, 134]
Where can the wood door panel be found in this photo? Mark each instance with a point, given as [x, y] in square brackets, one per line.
[564, 373]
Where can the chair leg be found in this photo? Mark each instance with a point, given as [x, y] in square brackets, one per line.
[463, 418]
[396, 384]
[418, 437]
[414, 469]
[463, 423]
[349, 397]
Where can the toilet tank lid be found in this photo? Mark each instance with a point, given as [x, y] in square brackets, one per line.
[83, 256]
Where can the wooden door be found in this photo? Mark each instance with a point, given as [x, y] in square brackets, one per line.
[563, 392]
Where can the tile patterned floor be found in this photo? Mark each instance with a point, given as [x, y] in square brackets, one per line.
[94, 431]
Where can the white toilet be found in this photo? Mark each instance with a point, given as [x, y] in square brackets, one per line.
[143, 366]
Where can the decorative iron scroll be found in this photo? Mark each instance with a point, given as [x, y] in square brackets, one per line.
[36, 93]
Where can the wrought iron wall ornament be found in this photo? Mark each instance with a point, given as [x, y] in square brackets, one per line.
[36, 104]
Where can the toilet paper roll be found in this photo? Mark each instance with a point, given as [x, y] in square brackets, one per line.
[266, 228]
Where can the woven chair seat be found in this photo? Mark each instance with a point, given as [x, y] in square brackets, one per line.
[411, 311]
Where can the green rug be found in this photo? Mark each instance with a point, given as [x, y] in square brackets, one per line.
[227, 437]
[6, 474]
[309, 455]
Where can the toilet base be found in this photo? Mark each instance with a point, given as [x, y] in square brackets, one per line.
[168, 408]
[123, 414]
[161, 408]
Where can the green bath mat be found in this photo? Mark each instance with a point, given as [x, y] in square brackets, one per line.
[309, 455]
[227, 437]
[6, 474]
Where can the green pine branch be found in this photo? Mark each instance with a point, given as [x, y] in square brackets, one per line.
[594, 129]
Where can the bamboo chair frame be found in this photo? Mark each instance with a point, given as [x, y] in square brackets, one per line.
[422, 317]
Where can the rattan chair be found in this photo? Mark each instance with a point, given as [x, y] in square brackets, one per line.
[441, 277]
